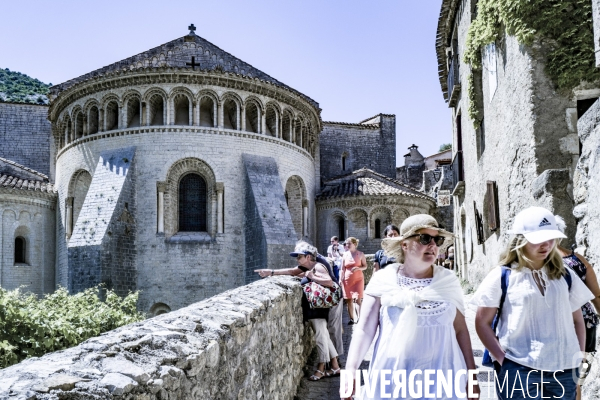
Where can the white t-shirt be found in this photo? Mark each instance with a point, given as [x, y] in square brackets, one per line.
[337, 258]
[536, 330]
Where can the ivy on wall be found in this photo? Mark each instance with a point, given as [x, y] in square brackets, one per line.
[566, 25]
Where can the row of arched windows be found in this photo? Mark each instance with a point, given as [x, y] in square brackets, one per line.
[376, 222]
[155, 108]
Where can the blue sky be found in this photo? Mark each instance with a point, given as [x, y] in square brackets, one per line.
[356, 58]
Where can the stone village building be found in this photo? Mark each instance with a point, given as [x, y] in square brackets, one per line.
[179, 171]
[523, 148]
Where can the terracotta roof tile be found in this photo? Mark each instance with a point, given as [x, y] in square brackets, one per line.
[13, 182]
[366, 182]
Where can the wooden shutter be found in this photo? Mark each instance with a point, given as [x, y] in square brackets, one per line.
[493, 215]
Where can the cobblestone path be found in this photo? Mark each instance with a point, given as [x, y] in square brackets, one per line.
[328, 388]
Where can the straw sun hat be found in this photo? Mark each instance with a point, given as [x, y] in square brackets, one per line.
[393, 246]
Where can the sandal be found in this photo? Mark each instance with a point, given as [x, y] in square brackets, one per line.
[315, 377]
[333, 372]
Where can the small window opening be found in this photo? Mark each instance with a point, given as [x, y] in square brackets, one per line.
[19, 250]
[343, 162]
[584, 105]
[377, 229]
[341, 229]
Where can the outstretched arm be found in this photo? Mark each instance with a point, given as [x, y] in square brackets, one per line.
[286, 271]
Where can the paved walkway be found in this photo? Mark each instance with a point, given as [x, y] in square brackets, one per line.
[328, 388]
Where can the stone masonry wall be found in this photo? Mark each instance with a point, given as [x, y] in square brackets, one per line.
[32, 218]
[528, 149]
[214, 349]
[586, 191]
[365, 146]
[25, 135]
[172, 273]
[596, 15]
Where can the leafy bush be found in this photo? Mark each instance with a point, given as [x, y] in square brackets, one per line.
[31, 327]
[20, 88]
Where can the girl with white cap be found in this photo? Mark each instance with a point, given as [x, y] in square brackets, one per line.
[418, 308]
[540, 326]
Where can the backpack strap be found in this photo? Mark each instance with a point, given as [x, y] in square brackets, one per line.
[568, 278]
[504, 278]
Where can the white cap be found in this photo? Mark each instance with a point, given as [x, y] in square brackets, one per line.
[537, 225]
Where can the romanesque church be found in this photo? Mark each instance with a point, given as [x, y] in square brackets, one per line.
[180, 170]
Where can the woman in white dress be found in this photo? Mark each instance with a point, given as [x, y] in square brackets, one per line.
[418, 308]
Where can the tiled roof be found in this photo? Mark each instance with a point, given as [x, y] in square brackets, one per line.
[366, 126]
[178, 53]
[17, 176]
[12, 182]
[366, 182]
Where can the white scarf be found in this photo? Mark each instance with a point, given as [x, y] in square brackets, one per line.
[444, 287]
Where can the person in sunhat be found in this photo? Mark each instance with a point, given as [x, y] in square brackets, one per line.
[417, 307]
[310, 269]
[540, 323]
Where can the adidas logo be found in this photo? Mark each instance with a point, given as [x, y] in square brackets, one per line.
[544, 222]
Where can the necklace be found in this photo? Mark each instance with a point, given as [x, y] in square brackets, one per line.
[402, 272]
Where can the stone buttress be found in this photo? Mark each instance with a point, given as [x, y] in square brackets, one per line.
[269, 231]
[102, 246]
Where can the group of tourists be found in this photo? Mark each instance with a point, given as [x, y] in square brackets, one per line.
[536, 312]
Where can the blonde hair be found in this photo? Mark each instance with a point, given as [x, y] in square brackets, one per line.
[514, 251]
[353, 240]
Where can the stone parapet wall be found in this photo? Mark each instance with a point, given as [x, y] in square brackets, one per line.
[247, 343]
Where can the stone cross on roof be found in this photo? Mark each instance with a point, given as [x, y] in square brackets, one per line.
[192, 28]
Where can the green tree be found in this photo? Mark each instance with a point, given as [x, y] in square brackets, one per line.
[20, 88]
[31, 327]
[446, 146]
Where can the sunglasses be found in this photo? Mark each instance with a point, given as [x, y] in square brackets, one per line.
[346, 244]
[425, 239]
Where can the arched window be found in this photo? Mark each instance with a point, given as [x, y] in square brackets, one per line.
[378, 229]
[344, 162]
[192, 204]
[112, 116]
[159, 308]
[93, 120]
[207, 112]
[20, 250]
[182, 109]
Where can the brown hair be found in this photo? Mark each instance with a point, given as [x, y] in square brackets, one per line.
[514, 252]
